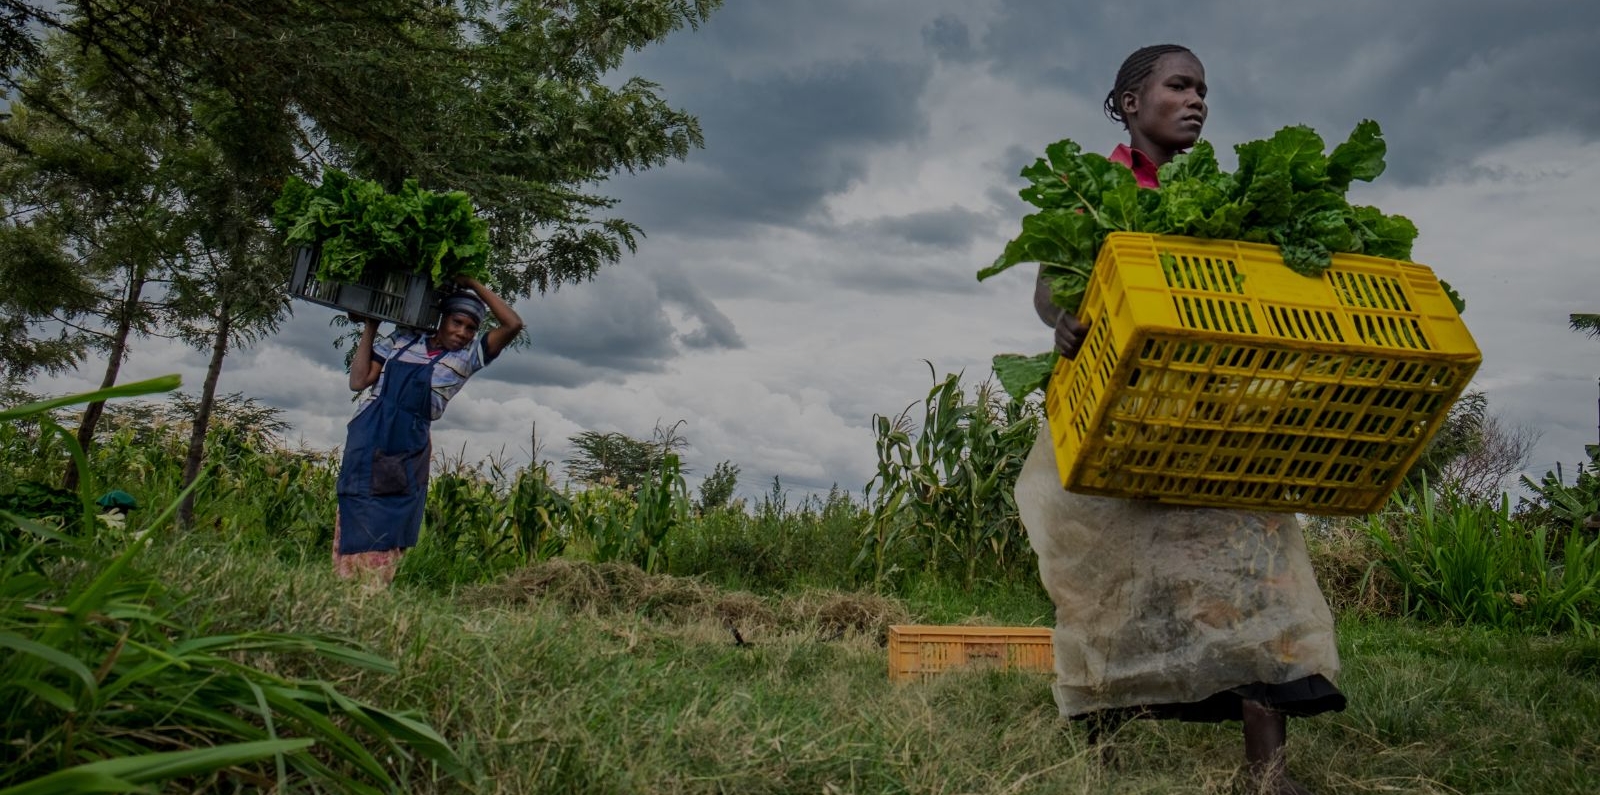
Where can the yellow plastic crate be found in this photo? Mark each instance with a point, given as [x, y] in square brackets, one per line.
[920, 652]
[1213, 375]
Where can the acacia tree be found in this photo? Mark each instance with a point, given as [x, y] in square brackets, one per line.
[716, 491]
[617, 459]
[227, 290]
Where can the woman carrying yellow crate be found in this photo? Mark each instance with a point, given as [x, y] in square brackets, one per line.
[1166, 611]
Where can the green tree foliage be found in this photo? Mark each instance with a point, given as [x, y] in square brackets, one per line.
[716, 491]
[42, 284]
[506, 100]
[612, 458]
[100, 204]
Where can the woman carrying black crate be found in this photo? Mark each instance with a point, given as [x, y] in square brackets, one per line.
[409, 378]
[1169, 611]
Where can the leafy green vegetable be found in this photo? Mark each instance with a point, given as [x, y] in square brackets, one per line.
[1023, 375]
[357, 226]
[1286, 192]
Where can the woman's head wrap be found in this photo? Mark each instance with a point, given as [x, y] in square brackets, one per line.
[464, 302]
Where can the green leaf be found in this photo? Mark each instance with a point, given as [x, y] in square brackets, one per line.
[1389, 236]
[52, 655]
[1455, 298]
[1021, 375]
[358, 226]
[127, 773]
[46, 692]
[1299, 150]
[1360, 157]
[150, 386]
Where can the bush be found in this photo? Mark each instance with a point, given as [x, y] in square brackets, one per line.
[1471, 562]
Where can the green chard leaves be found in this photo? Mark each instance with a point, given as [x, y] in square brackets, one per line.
[358, 225]
[1022, 375]
[1288, 191]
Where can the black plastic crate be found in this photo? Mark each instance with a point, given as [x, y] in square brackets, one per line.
[400, 297]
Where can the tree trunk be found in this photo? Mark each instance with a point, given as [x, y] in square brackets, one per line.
[202, 415]
[119, 351]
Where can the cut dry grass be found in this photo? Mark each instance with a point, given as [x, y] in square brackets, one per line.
[611, 589]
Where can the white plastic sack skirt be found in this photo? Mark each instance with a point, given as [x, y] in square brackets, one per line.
[1161, 606]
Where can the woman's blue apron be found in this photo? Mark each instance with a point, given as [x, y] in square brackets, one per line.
[383, 481]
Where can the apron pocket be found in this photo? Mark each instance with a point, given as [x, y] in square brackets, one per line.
[389, 473]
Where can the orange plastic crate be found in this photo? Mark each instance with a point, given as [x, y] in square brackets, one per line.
[920, 652]
[1213, 375]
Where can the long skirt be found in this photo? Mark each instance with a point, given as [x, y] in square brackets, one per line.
[1173, 611]
[376, 567]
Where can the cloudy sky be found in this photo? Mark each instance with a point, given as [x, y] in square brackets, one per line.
[861, 163]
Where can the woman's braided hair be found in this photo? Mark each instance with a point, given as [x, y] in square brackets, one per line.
[1132, 75]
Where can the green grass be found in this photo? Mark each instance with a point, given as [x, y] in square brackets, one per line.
[576, 678]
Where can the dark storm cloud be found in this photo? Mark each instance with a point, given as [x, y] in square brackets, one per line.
[791, 98]
[777, 145]
[1007, 203]
[715, 329]
[949, 39]
[311, 331]
[616, 325]
[902, 277]
[575, 335]
[921, 252]
[1447, 79]
[533, 367]
[954, 227]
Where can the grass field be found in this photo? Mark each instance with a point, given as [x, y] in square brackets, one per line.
[751, 659]
[576, 677]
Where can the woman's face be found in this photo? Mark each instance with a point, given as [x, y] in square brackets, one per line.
[456, 332]
[1169, 110]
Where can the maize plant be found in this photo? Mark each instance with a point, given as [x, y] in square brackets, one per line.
[663, 506]
[537, 511]
[602, 523]
[948, 484]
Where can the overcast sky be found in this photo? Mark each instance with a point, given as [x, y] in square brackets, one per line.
[861, 163]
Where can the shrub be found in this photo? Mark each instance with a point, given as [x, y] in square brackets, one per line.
[1470, 562]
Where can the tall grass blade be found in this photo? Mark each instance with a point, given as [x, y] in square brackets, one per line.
[128, 774]
[165, 383]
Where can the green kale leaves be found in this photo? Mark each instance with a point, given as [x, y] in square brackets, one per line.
[1287, 192]
[358, 225]
[1021, 375]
